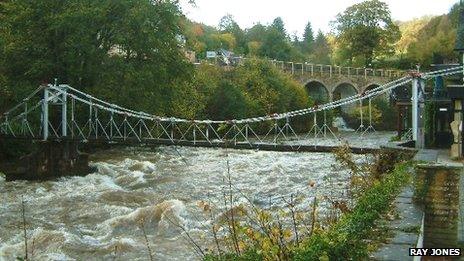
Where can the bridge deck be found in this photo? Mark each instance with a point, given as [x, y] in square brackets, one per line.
[206, 144]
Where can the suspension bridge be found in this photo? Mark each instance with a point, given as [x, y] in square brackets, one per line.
[61, 112]
[59, 118]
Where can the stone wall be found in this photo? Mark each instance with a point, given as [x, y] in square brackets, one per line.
[437, 190]
[360, 83]
[50, 160]
[461, 212]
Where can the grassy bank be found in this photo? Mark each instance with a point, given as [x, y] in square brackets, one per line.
[342, 239]
[345, 240]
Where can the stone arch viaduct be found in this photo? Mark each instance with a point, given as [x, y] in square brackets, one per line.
[327, 83]
[326, 88]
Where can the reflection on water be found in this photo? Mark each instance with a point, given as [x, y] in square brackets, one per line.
[99, 216]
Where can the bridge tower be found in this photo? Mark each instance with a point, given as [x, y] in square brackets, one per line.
[418, 135]
[56, 98]
[56, 155]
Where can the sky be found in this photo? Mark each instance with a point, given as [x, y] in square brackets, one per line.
[296, 13]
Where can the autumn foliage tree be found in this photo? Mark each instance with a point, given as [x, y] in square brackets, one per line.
[435, 42]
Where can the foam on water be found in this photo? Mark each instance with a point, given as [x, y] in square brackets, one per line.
[100, 216]
[42, 243]
[340, 124]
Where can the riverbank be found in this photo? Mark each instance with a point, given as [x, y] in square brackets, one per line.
[344, 239]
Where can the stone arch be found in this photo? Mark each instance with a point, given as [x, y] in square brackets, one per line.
[371, 86]
[385, 96]
[345, 90]
[318, 91]
[401, 93]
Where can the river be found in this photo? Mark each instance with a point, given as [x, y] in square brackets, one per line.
[99, 216]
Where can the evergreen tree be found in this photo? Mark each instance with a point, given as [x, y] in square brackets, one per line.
[279, 26]
[321, 52]
[308, 39]
[276, 44]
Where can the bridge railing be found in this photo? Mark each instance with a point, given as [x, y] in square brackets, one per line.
[314, 69]
[311, 69]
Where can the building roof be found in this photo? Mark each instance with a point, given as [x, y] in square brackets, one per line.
[460, 35]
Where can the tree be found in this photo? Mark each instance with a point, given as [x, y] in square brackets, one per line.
[308, 39]
[228, 41]
[454, 14]
[253, 48]
[254, 88]
[118, 49]
[321, 52]
[435, 40]
[429, 40]
[228, 25]
[275, 45]
[279, 26]
[367, 30]
[409, 33]
[275, 42]
[228, 102]
[267, 90]
[256, 33]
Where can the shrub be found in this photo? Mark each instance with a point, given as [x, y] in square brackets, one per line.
[345, 241]
[384, 116]
[260, 235]
[255, 88]
[227, 103]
